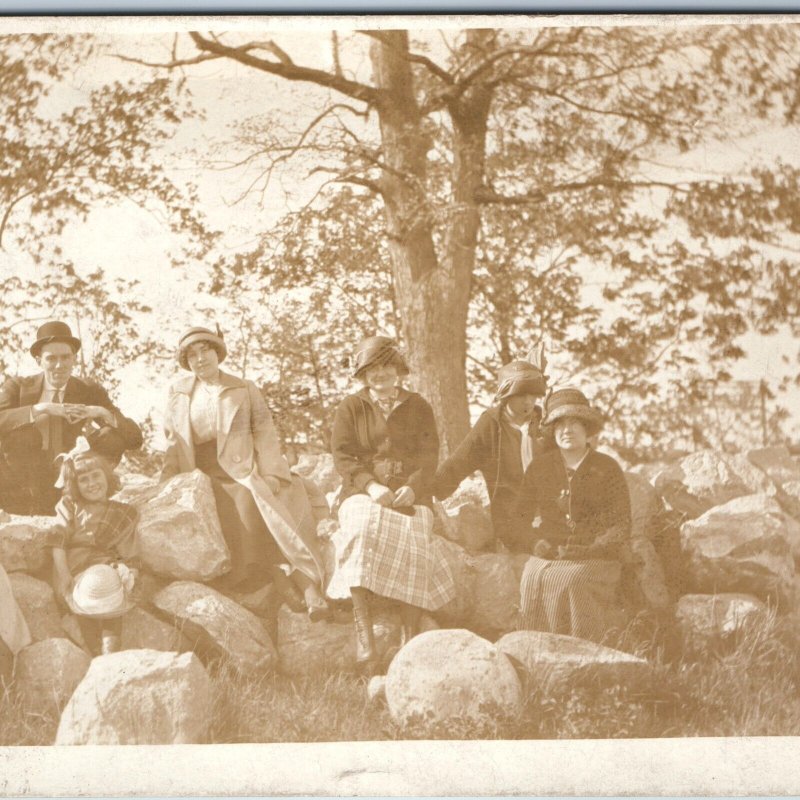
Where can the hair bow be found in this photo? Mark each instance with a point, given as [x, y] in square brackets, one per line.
[80, 448]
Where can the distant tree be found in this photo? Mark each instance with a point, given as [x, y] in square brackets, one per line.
[59, 159]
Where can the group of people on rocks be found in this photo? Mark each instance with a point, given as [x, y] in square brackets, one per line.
[552, 495]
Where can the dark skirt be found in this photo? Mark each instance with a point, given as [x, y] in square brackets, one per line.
[254, 552]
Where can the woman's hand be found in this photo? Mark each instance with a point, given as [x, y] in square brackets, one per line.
[273, 483]
[380, 494]
[404, 496]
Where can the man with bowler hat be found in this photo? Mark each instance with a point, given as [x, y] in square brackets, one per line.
[42, 415]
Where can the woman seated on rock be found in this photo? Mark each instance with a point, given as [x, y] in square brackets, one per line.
[220, 424]
[385, 447]
[571, 583]
[501, 445]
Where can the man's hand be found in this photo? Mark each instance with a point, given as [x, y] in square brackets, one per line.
[404, 496]
[72, 412]
[380, 494]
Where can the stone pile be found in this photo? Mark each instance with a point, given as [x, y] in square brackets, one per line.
[739, 549]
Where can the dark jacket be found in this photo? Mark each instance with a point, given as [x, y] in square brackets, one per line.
[401, 450]
[27, 473]
[592, 516]
[493, 447]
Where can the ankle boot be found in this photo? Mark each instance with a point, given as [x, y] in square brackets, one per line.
[366, 653]
[409, 622]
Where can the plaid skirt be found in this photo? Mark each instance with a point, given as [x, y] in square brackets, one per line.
[576, 598]
[392, 554]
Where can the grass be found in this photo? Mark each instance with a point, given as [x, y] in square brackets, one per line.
[744, 687]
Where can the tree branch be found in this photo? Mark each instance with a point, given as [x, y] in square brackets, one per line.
[290, 71]
[414, 58]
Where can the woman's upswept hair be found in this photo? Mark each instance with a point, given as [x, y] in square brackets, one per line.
[70, 476]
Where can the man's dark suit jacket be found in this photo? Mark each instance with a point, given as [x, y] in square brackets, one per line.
[27, 472]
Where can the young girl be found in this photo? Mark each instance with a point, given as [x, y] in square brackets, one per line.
[94, 547]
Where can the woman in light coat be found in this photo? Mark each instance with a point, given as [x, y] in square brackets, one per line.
[220, 424]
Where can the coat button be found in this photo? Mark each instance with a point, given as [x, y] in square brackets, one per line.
[237, 459]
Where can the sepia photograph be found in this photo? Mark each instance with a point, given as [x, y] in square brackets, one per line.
[399, 381]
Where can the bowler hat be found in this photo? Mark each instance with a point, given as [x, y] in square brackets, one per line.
[200, 334]
[378, 350]
[571, 402]
[54, 332]
[98, 592]
[520, 377]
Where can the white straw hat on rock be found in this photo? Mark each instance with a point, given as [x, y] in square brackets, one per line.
[98, 592]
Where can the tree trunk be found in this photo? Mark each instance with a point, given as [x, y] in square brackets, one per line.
[432, 293]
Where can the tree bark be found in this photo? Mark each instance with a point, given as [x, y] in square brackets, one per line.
[432, 290]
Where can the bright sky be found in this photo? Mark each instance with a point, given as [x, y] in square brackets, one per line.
[128, 241]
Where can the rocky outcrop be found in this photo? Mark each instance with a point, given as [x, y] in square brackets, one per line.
[451, 677]
[139, 697]
[645, 505]
[784, 471]
[179, 532]
[709, 616]
[23, 543]
[47, 673]
[706, 479]
[650, 575]
[217, 627]
[37, 602]
[551, 662]
[318, 468]
[741, 546]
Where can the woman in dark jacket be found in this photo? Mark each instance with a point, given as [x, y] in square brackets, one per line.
[571, 583]
[385, 447]
[501, 445]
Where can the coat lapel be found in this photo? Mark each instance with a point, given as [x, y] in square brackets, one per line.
[232, 397]
[74, 391]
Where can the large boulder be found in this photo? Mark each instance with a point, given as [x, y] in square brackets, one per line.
[778, 464]
[466, 520]
[143, 631]
[37, 602]
[24, 543]
[452, 676]
[446, 677]
[179, 532]
[708, 616]
[217, 626]
[139, 697]
[47, 673]
[744, 545]
[706, 479]
[552, 662]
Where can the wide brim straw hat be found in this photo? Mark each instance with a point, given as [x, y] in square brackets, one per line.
[54, 332]
[520, 377]
[98, 593]
[376, 350]
[199, 334]
[571, 402]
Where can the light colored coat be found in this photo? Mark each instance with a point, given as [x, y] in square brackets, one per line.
[249, 451]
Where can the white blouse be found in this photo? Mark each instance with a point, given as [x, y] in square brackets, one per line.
[203, 412]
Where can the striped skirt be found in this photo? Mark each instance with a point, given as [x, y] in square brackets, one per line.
[392, 554]
[576, 598]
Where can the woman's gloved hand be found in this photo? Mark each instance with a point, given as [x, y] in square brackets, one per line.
[380, 494]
